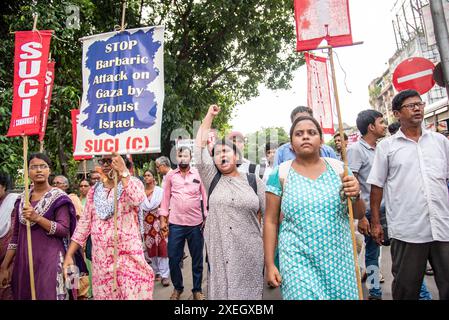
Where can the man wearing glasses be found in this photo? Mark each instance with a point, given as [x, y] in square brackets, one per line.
[163, 167]
[412, 167]
[62, 183]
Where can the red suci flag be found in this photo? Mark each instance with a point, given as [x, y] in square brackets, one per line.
[30, 66]
[318, 92]
[74, 115]
[317, 20]
[49, 80]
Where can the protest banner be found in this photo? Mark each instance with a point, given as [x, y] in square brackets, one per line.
[123, 93]
[322, 20]
[318, 92]
[49, 81]
[30, 67]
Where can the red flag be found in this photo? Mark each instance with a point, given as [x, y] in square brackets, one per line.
[74, 115]
[30, 66]
[49, 79]
[322, 19]
[318, 92]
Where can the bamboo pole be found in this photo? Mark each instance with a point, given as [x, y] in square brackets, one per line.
[85, 168]
[27, 204]
[345, 160]
[114, 287]
[122, 27]
[35, 21]
[41, 146]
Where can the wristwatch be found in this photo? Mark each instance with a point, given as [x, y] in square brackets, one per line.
[125, 174]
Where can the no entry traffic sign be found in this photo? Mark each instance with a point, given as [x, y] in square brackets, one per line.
[414, 73]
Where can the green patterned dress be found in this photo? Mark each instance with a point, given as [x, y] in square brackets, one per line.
[315, 246]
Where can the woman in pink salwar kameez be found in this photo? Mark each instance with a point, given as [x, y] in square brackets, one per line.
[135, 278]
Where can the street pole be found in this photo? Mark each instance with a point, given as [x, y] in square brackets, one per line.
[442, 37]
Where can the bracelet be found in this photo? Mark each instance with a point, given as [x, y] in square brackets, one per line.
[52, 228]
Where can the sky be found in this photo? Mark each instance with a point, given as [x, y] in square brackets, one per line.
[371, 23]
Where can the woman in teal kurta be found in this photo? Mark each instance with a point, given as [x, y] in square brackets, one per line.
[316, 259]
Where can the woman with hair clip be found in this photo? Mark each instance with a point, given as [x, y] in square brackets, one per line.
[52, 218]
[135, 277]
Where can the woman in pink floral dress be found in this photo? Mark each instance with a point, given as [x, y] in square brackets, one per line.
[135, 278]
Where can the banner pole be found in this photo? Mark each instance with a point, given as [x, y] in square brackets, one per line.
[28, 226]
[35, 21]
[114, 287]
[85, 168]
[41, 146]
[122, 27]
[345, 160]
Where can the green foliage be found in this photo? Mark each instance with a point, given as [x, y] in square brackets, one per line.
[215, 51]
[255, 142]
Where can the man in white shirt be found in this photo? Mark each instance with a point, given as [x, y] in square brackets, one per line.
[412, 166]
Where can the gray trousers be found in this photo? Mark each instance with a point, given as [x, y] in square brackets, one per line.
[409, 262]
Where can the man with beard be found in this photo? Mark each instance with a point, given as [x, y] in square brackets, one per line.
[183, 192]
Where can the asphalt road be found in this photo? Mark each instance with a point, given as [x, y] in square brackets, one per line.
[163, 293]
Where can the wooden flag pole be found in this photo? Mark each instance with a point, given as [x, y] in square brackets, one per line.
[122, 27]
[345, 160]
[114, 288]
[27, 204]
[35, 21]
[85, 168]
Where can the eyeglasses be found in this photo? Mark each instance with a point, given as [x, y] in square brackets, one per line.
[412, 106]
[102, 162]
[84, 186]
[38, 166]
[55, 183]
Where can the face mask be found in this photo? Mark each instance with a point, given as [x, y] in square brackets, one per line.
[183, 165]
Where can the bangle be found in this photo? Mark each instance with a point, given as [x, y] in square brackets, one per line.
[52, 228]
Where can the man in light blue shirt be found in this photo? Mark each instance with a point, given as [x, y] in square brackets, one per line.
[285, 152]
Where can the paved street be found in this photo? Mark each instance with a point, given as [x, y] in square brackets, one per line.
[163, 293]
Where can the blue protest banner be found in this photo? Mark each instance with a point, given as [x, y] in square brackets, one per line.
[123, 92]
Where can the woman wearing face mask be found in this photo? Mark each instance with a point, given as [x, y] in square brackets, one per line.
[315, 246]
[233, 234]
[154, 239]
[52, 218]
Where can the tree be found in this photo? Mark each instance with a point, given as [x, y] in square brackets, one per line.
[255, 142]
[215, 51]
